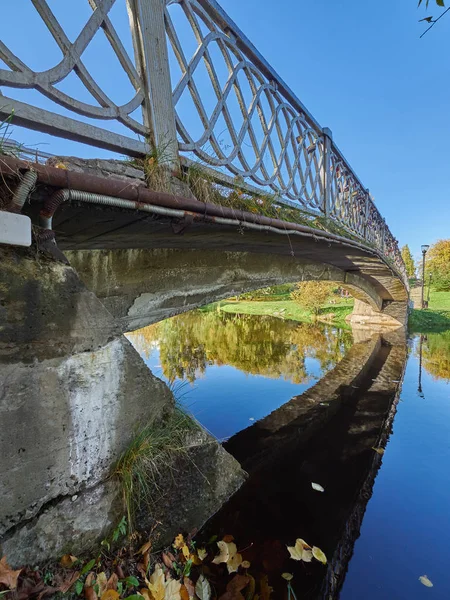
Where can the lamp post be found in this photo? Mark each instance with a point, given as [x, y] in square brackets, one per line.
[424, 248]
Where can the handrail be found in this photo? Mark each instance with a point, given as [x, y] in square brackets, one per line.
[206, 95]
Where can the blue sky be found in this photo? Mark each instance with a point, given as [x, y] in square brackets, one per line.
[359, 67]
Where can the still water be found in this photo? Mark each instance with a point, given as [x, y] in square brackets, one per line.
[297, 404]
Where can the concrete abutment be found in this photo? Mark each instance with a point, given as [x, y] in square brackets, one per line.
[74, 393]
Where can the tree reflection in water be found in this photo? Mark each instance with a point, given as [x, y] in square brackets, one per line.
[265, 346]
[436, 354]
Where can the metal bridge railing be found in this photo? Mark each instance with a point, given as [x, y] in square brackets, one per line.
[199, 90]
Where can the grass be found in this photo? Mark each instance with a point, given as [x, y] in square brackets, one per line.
[148, 461]
[288, 309]
[435, 318]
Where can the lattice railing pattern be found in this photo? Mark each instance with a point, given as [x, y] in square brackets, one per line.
[229, 110]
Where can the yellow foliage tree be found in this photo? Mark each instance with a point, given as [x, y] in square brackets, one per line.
[312, 295]
[438, 264]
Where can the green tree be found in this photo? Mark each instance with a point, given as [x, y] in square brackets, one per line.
[438, 265]
[312, 295]
[408, 260]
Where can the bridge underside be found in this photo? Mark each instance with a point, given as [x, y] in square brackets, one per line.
[145, 269]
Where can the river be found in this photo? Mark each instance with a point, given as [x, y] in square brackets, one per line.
[298, 404]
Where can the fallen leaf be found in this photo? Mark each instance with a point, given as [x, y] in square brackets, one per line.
[245, 564]
[89, 593]
[146, 594]
[234, 563]
[89, 581]
[228, 538]
[425, 581]
[167, 561]
[319, 555]
[7, 575]
[317, 487]
[287, 576]
[184, 594]
[202, 553]
[378, 450]
[110, 595]
[112, 584]
[227, 550]
[265, 589]
[185, 551]
[172, 590]
[189, 586]
[156, 585]
[301, 551]
[102, 583]
[238, 583]
[179, 541]
[68, 560]
[145, 548]
[68, 583]
[202, 588]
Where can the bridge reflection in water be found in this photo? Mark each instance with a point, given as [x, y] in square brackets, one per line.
[326, 435]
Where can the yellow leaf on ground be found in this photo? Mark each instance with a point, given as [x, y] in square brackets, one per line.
[301, 551]
[425, 581]
[172, 590]
[102, 582]
[157, 583]
[110, 595]
[185, 551]
[202, 588]
[179, 541]
[378, 450]
[146, 594]
[202, 553]
[319, 555]
[68, 560]
[7, 575]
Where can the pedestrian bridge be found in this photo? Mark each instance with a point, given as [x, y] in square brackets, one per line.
[190, 94]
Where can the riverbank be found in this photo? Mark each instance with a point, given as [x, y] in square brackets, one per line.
[435, 318]
[334, 314]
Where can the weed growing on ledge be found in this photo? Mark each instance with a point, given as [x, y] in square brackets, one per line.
[149, 458]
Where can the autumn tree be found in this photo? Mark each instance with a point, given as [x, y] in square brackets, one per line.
[312, 295]
[438, 264]
[408, 260]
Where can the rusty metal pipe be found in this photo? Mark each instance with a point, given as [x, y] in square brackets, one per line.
[115, 188]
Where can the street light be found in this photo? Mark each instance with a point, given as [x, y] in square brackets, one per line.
[424, 249]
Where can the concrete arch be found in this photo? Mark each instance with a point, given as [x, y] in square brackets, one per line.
[142, 286]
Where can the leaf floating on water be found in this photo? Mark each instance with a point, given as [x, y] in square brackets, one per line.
[425, 581]
[202, 588]
[379, 451]
[227, 551]
[245, 564]
[317, 487]
[301, 551]
[234, 563]
[287, 576]
[319, 555]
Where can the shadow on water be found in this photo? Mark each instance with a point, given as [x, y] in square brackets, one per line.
[326, 436]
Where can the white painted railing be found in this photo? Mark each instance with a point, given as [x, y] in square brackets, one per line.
[199, 91]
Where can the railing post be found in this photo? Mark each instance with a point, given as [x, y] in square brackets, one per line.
[326, 173]
[366, 213]
[152, 61]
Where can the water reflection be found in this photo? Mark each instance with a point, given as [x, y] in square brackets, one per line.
[434, 354]
[255, 345]
[326, 436]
